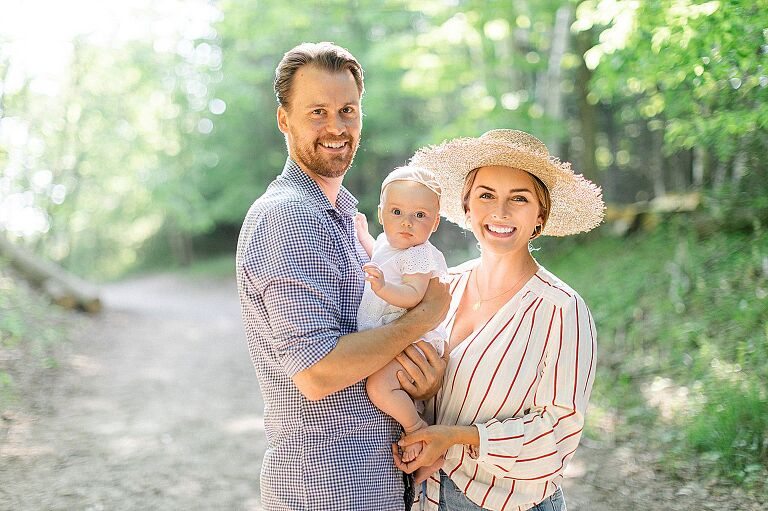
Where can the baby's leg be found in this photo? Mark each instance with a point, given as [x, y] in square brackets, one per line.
[385, 392]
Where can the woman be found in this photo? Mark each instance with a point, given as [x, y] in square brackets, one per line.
[522, 343]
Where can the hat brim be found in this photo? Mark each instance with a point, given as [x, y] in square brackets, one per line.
[577, 203]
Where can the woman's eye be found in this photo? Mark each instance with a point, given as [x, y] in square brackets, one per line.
[519, 198]
[486, 195]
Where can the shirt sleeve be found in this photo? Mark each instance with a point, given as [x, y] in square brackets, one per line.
[539, 445]
[289, 267]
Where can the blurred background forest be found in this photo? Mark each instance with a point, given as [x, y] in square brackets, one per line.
[135, 135]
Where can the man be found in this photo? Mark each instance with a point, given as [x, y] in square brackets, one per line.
[300, 281]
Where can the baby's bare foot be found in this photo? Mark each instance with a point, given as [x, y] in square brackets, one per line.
[412, 451]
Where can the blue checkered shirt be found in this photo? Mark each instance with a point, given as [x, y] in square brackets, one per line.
[300, 282]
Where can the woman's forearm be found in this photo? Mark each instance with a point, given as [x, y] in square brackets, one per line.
[467, 435]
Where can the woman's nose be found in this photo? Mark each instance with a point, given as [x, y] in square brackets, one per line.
[502, 210]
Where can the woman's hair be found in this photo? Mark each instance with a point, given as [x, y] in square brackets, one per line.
[327, 56]
[542, 194]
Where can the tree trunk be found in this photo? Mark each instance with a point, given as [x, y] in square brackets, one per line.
[64, 288]
[587, 111]
[552, 93]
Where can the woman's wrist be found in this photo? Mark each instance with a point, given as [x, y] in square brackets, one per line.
[467, 435]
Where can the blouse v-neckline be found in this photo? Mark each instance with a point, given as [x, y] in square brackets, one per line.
[462, 288]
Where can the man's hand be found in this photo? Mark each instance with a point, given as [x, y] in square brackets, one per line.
[423, 375]
[374, 275]
[434, 306]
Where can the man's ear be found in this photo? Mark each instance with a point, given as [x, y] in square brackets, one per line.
[282, 119]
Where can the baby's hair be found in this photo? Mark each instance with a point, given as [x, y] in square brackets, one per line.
[414, 174]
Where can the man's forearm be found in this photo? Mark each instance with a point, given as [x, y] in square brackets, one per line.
[357, 356]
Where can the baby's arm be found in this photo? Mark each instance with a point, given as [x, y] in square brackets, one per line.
[363, 236]
[406, 295]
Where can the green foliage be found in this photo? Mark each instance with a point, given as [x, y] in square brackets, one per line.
[682, 319]
[731, 430]
[30, 331]
[700, 66]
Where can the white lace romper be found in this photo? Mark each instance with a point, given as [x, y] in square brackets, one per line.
[394, 263]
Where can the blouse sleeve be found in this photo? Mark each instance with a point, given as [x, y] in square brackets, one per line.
[539, 445]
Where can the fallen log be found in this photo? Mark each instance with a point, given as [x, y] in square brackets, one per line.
[626, 219]
[63, 288]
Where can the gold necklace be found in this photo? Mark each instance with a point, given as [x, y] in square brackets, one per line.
[481, 301]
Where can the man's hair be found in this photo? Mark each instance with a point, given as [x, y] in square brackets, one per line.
[327, 56]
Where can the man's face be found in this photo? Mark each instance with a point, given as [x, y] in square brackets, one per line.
[323, 121]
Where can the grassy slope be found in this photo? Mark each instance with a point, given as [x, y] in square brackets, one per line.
[31, 331]
[682, 324]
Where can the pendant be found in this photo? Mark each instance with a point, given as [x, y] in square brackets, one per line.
[476, 306]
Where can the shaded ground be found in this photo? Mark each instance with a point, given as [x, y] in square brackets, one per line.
[156, 406]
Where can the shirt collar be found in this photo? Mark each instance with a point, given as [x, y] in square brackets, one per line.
[345, 202]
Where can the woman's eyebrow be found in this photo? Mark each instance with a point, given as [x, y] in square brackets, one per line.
[513, 190]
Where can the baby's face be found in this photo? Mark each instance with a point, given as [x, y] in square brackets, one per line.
[409, 212]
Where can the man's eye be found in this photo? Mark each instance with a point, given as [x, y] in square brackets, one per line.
[347, 110]
[395, 211]
[317, 111]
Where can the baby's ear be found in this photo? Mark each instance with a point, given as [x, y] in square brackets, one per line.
[378, 214]
[437, 224]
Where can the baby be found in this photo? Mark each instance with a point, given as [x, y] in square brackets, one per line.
[402, 262]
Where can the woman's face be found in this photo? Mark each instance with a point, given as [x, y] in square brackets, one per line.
[503, 210]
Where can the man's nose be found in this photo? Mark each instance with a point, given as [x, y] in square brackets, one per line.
[335, 125]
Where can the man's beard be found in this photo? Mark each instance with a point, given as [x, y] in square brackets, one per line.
[336, 166]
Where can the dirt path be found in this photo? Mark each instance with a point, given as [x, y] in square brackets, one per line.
[156, 406]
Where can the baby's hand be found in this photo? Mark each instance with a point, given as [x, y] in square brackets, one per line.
[361, 225]
[374, 275]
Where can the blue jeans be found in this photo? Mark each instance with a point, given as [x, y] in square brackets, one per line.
[453, 499]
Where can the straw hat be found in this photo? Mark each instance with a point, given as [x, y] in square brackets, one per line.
[577, 203]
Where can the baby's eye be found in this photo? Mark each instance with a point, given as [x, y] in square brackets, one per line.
[421, 214]
[395, 211]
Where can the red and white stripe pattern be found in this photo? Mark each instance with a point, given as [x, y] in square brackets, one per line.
[523, 379]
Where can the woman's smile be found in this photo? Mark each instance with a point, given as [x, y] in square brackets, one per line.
[500, 231]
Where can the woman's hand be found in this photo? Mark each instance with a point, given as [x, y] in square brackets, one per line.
[436, 440]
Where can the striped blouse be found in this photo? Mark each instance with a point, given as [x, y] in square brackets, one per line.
[523, 379]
